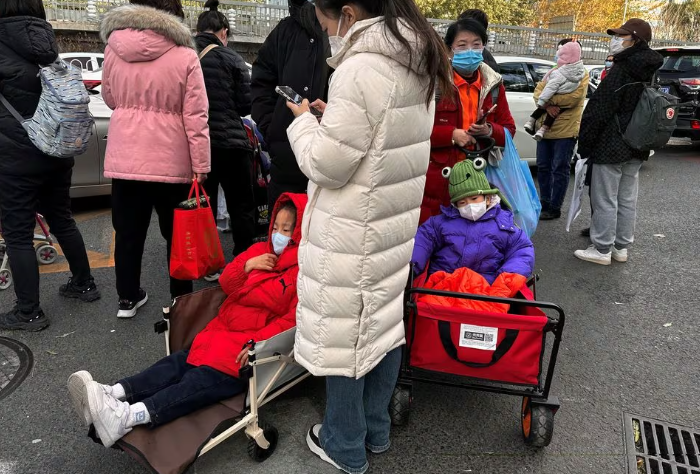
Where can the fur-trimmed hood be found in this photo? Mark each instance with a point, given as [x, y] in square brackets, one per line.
[138, 33]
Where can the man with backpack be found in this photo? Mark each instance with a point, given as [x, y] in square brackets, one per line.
[32, 180]
[603, 139]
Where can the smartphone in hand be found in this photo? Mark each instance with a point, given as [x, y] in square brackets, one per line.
[482, 120]
[292, 96]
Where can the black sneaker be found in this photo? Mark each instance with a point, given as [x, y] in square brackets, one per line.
[550, 215]
[586, 232]
[128, 309]
[87, 292]
[17, 320]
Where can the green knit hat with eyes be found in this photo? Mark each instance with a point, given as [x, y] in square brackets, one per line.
[467, 178]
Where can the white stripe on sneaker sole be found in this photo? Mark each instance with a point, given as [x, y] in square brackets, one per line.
[130, 313]
[77, 383]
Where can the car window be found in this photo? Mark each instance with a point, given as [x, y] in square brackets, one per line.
[514, 78]
[99, 62]
[78, 61]
[538, 71]
[689, 63]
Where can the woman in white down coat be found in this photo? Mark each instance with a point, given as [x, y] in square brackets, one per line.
[366, 162]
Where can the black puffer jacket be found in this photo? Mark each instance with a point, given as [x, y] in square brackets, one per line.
[599, 137]
[25, 43]
[294, 55]
[227, 80]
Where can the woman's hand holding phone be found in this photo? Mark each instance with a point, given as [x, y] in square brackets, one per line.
[298, 110]
[462, 138]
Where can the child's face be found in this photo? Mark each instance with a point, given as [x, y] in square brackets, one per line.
[470, 200]
[284, 222]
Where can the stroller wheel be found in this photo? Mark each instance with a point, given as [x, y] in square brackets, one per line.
[46, 254]
[259, 454]
[537, 424]
[400, 405]
[5, 279]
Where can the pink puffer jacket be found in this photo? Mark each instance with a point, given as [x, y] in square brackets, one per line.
[153, 81]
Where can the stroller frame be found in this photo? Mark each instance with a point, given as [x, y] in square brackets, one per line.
[537, 401]
[46, 253]
[263, 438]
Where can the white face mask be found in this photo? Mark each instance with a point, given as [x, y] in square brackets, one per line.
[473, 212]
[336, 42]
[616, 45]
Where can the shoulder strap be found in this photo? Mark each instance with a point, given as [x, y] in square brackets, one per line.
[206, 50]
[494, 94]
[11, 109]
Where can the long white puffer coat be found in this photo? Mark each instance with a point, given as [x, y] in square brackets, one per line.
[366, 162]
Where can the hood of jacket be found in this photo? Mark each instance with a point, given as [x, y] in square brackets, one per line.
[573, 72]
[299, 201]
[31, 38]
[373, 36]
[138, 34]
[202, 40]
[304, 13]
[639, 61]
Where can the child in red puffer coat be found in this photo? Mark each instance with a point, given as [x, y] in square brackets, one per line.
[261, 288]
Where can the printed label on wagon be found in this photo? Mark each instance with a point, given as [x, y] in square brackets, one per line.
[478, 337]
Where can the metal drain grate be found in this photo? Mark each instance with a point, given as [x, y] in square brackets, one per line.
[657, 447]
[16, 361]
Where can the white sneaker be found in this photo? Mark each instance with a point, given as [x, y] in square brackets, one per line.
[213, 277]
[77, 388]
[619, 255]
[128, 309]
[592, 255]
[539, 136]
[315, 446]
[530, 126]
[109, 415]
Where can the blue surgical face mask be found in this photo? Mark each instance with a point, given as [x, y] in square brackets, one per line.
[279, 242]
[468, 60]
[608, 64]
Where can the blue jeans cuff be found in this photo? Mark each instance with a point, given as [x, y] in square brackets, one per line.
[343, 466]
[378, 449]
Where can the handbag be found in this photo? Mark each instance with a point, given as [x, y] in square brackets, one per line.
[196, 249]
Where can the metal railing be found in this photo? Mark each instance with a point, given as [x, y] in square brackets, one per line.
[257, 20]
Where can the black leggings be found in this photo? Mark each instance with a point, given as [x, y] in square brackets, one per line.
[548, 121]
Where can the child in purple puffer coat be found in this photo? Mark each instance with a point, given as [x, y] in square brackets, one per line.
[476, 232]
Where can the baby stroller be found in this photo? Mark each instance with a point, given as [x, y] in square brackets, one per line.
[173, 448]
[46, 253]
[488, 351]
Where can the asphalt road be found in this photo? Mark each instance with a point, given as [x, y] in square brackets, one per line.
[619, 355]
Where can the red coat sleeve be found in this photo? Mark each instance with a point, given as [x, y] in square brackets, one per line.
[503, 119]
[234, 275]
[280, 324]
[442, 136]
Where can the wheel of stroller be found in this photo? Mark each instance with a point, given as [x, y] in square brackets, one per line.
[5, 279]
[259, 454]
[400, 405]
[537, 424]
[46, 254]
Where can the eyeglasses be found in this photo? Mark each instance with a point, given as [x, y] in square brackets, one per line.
[460, 49]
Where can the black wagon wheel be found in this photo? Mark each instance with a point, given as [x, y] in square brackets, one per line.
[400, 405]
[259, 454]
[537, 423]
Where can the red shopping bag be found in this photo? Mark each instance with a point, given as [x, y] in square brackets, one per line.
[196, 250]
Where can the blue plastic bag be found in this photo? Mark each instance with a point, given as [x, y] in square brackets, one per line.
[514, 179]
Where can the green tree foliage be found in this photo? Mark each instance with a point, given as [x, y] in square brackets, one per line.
[681, 21]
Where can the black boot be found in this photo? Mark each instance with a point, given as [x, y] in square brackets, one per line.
[586, 232]
[18, 320]
[550, 214]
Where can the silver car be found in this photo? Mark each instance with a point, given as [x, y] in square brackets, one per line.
[88, 173]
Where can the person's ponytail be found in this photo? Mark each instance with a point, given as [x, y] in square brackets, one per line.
[212, 19]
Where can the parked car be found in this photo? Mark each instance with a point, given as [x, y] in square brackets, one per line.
[88, 173]
[520, 76]
[594, 72]
[680, 76]
[88, 62]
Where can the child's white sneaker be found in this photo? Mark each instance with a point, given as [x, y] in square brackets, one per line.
[530, 126]
[619, 255]
[77, 389]
[591, 254]
[109, 415]
[539, 136]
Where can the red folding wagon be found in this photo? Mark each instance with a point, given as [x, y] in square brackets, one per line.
[494, 352]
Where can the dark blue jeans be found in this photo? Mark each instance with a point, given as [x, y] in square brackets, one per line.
[172, 388]
[357, 414]
[553, 171]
